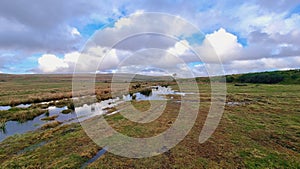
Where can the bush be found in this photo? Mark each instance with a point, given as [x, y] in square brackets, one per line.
[229, 79]
[266, 78]
[294, 77]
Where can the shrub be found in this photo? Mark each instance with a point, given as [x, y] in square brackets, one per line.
[267, 78]
[229, 79]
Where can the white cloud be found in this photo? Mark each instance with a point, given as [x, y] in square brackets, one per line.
[110, 60]
[244, 66]
[180, 48]
[127, 21]
[283, 25]
[131, 58]
[129, 27]
[49, 63]
[98, 59]
[75, 32]
[252, 17]
[71, 57]
[220, 45]
[224, 43]
[263, 64]
[257, 25]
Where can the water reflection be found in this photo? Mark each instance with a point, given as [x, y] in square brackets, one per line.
[18, 106]
[5, 107]
[23, 105]
[82, 113]
[15, 127]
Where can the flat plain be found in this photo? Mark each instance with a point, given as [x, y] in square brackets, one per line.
[260, 127]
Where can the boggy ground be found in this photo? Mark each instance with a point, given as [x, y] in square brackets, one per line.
[18, 89]
[262, 130]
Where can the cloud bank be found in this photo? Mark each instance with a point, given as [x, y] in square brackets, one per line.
[47, 36]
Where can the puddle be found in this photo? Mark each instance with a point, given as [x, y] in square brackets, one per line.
[157, 93]
[98, 155]
[82, 113]
[5, 107]
[18, 106]
[237, 103]
[88, 111]
[139, 96]
[115, 112]
[23, 105]
[15, 127]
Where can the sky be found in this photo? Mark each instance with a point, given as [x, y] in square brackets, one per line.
[53, 36]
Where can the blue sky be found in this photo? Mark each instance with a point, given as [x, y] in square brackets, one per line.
[248, 36]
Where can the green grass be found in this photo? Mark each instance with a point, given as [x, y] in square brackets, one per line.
[21, 114]
[66, 147]
[262, 134]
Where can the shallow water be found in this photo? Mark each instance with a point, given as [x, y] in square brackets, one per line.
[5, 107]
[15, 127]
[158, 93]
[238, 103]
[98, 155]
[19, 106]
[23, 105]
[82, 113]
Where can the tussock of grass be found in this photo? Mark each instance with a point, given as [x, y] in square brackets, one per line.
[51, 125]
[71, 106]
[50, 118]
[67, 111]
[21, 114]
[146, 92]
[3, 125]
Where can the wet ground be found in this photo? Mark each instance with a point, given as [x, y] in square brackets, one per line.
[81, 113]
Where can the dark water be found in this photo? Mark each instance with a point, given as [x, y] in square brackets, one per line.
[98, 155]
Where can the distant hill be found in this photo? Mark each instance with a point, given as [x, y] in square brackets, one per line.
[274, 77]
[68, 77]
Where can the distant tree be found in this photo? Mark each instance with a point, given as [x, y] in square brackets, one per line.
[294, 76]
[229, 79]
[266, 78]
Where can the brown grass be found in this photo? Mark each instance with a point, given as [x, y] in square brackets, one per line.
[51, 125]
[50, 118]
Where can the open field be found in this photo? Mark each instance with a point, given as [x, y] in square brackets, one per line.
[260, 128]
[18, 89]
